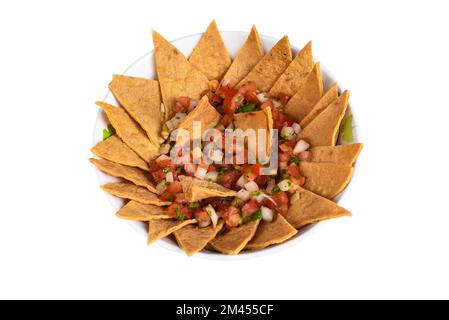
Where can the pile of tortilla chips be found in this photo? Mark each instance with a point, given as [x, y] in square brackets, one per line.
[145, 104]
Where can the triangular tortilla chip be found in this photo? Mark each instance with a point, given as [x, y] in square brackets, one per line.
[268, 70]
[142, 100]
[127, 190]
[203, 112]
[235, 239]
[195, 189]
[193, 239]
[210, 55]
[311, 208]
[247, 58]
[115, 150]
[136, 211]
[345, 154]
[309, 93]
[129, 131]
[158, 229]
[135, 175]
[176, 75]
[290, 81]
[323, 130]
[330, 96]
[269, 233]
[262, 119]
[325, 179]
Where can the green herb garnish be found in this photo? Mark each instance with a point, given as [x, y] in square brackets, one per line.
[108, 132]
[347, 130]
[247, 107]
[222, 170]
[276, 189]
[194, 205]
[166, 169]
[179, 215]
[179, 169]
[256, 216]
[295, 160]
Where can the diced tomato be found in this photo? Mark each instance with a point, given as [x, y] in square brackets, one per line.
[268, 103]
[249, 92]
[182, 104]
[261, 180]
[163, 163]
[154, 166]
[212, 168]
[219, 204]
[187, 212]
[232, 104]
[286, 148]
[256, 168]
[280, 118]
[174, 188]
[229, 178]
[284, 157]
[166, 196]
[295, 174]
[158, 176]
[283, 98]
[214, 99]
[281, 200]
[171, 210]
[202, 217]
[180, 198]
[250, 207]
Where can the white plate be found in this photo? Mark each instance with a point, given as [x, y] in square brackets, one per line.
[145, 68]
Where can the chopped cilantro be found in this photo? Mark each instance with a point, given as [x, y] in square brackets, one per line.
[179, 169]
[237, 203]
[194, 205]
[247, 107]
[108, 132]
[166, 169]
[256, 216]
[167, 183]
[276, 189]
[295, 160]
[222, 170]
[179, 215]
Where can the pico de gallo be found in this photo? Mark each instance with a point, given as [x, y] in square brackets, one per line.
[257, 196]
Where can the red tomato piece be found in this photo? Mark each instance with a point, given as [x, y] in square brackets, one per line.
[281, 200]
[250, 208]
[158, 176]
[174, 188]
[229, 179]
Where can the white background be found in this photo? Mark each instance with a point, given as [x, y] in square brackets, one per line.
[58, 234]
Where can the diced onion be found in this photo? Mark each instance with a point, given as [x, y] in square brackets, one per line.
[225, 82]
[212, 214]
[296, 127]
[162, 107]
[287, 132]
[294, 197]
[211, 176]
[259, 196]
[241, 181]
[243, 195]
[251, 186]
[161, 186]
[200, 173]
[267, 214]
[270, 186]
[169, 177]
[284, 185]
[262, 97]
[190, 168]
[301, 146]
[164, 149]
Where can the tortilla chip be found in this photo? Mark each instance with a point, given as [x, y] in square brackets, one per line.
[195, 189]
[309, 93]
[325, 179]
[247, 58]
[127, 190]
[268, 70]
[322, 104]
[290, 81]
[135, 175]
[158, 229]
[311, 208]
[270, 233]
[323, 130]
[136, 211]
[256, 120]
[113, 149]
[203, 112]
[235, 239]
[129, 131]
[142, 100]
[210, 55]
[176, 75]
[193, 239]
[345, 154]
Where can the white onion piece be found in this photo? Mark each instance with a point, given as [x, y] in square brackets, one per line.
[211, 176]
[277, 103]
[267, 214]
[169, 177]
[241, 181]
[262, 97]
[251, 186]
[212, 214]
[161, 187]
[287, 132]
[200, 173]
[285, 185]
[190, 168]
[296, 127]
[301, 146]
[260, 196]
[243, 195]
